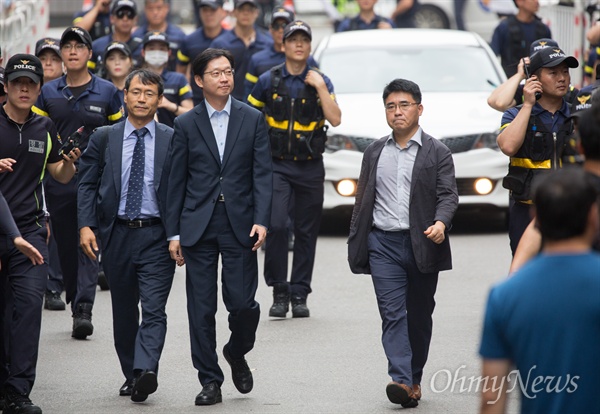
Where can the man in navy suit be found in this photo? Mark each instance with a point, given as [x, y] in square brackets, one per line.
[220, 188]
[122, 196]
[405, 203]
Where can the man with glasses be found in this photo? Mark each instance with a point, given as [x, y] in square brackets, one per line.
[123, 17]
[220, 187]
[296, 100]
[404, 206]
[243, 41]
[129, 221]
[76, 101]
[211, 16]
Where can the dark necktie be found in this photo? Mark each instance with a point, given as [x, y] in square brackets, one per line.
[133, 206]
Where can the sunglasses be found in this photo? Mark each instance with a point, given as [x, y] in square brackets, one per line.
[125, 13]
[277, 26]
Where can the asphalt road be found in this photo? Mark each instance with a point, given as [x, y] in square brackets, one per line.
[332, 362]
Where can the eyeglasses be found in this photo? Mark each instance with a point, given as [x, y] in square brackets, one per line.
[136, 93]
[278, 26]
[216, 74]
[77, 46]
[404, 106]
[125, 13]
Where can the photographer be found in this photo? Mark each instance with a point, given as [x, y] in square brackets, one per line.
[536, 135]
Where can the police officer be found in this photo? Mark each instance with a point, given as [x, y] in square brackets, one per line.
[77, 100]
[177, 95]
[296, 100]
[211, 16]
[123, 17]
[243, 42]
[537, 135]
[29, 147]
[47, 50]
[96, 21]
[366, 19]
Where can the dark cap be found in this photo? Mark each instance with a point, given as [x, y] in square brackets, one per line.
[294, 26]
[240, 3]
[1, 80]
[582, 101]
[155, 37]
[542, 43]
[24, 65]
[112, 46]
[78, 34]
[47, 43]
[121, 4]
[549, 57]
[282, 13]
[213, 4]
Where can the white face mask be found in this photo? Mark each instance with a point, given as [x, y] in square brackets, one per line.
[156, 57]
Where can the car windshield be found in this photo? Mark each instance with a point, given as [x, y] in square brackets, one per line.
[457, 69]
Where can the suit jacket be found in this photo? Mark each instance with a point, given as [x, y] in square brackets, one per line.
[433, 197]
[197, 176]
[98, 196]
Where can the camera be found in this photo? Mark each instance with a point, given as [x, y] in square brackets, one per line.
[72, 142]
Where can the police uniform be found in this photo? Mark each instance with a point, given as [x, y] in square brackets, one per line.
[356, 23]
[100, 45]
[194, 44]
[297, 133]
[101, 27]
[176, 90]
[241, 55]
[99, 104]
[175, 36]
[33, 144]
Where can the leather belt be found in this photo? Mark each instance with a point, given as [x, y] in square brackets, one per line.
[221, 198]
[139, 223]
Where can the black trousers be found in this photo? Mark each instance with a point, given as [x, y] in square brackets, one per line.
[301, 183]
[519, 217]
[22, 287]
[80, 273]
[239, 279]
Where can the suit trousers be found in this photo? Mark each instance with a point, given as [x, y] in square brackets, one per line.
[304, 181]
[405, 298]
[80, 273]
[22, 287]
[138, 268]
[239, 278]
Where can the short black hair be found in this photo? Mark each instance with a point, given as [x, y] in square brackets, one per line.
[563, 200]
[147, 77]
[588, 126]
[203, 59]
[402, 85]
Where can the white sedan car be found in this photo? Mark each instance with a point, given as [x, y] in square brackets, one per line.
[456, 72]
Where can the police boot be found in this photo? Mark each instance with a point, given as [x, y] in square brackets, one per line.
[281, 300]
[299, 308]
[82, 321]
[52, 301]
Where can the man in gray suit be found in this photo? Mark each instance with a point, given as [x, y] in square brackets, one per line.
[122, 196]
[405, 203]
[220, 188]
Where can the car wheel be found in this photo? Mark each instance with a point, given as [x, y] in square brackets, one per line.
[429, 16]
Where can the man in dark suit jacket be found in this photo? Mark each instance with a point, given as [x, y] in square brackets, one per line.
[122, 196]
[405, 203]
[220, 188]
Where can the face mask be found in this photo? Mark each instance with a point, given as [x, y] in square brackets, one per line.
[156, 57]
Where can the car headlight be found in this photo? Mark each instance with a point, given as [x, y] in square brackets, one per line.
[483, 186]
[346, 187]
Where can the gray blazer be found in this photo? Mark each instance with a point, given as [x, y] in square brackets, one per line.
[433, 197]
[98, 196]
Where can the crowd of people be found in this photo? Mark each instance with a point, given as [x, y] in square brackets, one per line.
[137, 149]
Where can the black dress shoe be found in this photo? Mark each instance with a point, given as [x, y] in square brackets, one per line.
[146, 383]
[126, 389]
[240, 373]
[210, 394]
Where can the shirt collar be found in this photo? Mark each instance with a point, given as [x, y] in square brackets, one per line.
[129, 128]
[212, 110]
[285, 73]
[416, 138]
[564, 109]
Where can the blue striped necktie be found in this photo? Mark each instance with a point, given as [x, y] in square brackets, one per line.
[133, 206]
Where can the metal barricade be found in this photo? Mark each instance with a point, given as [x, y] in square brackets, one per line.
[22, 25]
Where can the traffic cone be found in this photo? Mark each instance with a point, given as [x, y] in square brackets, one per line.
[289, 4]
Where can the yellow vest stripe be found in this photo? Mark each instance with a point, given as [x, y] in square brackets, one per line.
[530, 164]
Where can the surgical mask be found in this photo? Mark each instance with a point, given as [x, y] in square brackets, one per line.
[156, 57]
